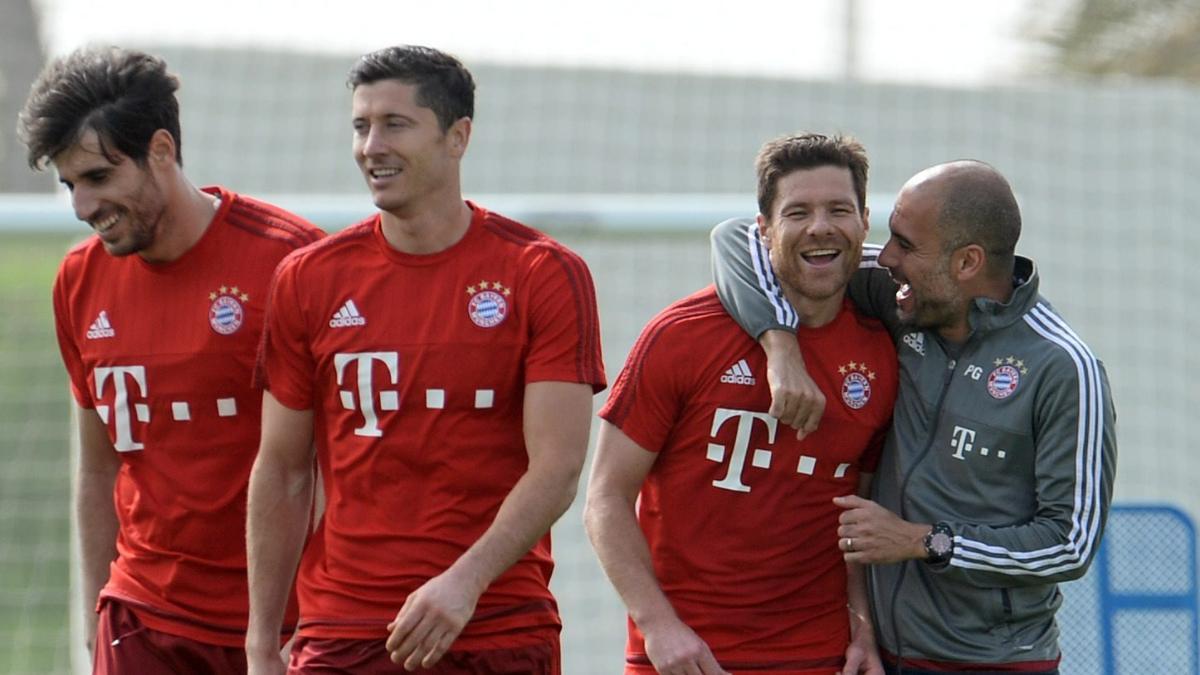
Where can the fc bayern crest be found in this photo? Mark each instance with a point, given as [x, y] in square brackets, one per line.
[488, 306]
[226, 313]
[856, 390]
[1003, 381]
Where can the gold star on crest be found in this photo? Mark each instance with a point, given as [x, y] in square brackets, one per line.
[998, 362]
[871, 375]
[245, 297]
[483, 285]
[853, 366]
[1009, 360]
[223, 290]
[470, 290]
[212, 296]
[841, 370]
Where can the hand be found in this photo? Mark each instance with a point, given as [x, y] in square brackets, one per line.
[796, 400]
[430, 621]
[860, 661]
[675, 649]
[870, 534]
[862, 654]
[268, 663]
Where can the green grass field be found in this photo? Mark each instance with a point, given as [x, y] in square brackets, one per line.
[34, 484]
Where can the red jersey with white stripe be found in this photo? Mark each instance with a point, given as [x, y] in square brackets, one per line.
[738, 514]
[165, 355]
[415, 368]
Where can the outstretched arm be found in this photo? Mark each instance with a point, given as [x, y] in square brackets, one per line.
[751, 294]
[557, 419]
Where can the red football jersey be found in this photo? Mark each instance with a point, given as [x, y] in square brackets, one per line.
[738, 514]
[415, 368]
[165, 354]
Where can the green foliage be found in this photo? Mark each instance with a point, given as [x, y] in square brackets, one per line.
[1145, 38]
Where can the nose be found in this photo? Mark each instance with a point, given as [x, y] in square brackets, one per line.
[821, 224]
[371, 143]
[84, 202]
[888, 257]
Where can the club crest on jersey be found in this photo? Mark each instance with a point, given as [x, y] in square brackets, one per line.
[226, 313]
[1003, 381]
[488, 306]
[856, 384]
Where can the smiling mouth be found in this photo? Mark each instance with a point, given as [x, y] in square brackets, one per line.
[384, 172]
[103, 226]
[821, 256]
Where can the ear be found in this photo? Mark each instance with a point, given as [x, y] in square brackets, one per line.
[161, 152]
[459, 136]
[764, 230]
[968, 262]
[866, 221]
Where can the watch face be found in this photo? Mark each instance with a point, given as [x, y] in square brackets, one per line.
[940, 544]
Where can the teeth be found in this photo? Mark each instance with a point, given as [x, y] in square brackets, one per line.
[820, 252]
[102, 225]
[384, 173]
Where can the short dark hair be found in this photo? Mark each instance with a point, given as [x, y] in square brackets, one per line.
[124, 95]
[443, 83]
[783, 155]
[978, 207]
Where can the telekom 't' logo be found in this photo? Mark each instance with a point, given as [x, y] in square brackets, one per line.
[760, 458]
[361, 396]
[120, 408]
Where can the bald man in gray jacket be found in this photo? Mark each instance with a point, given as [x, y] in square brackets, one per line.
[997, 474]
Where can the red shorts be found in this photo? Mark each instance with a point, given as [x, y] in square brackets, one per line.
[125, 645]
[330, 656]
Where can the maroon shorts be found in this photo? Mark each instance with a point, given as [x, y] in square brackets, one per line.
[327, 656]
[124, 645]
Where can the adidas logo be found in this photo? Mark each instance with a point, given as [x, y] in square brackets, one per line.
[101, 328]
[739, 373]
[916, 341]
[347, 316]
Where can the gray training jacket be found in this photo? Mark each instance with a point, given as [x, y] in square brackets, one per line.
[1011, 441]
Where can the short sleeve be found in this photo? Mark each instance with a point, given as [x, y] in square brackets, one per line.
[647, 397]
[285, 363]
[67, 346]
[564, 325]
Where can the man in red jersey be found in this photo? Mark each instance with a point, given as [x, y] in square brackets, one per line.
[158, 317]
[443, 359]
[716, 525]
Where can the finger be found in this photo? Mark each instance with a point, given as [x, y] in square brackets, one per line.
[709, 666]
[411, 641]
[850, 502]
[404, 622]
[440, 647]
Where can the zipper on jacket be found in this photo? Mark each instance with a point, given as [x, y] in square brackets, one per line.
[937, 416]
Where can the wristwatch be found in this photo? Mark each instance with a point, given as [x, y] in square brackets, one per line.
[939, 544]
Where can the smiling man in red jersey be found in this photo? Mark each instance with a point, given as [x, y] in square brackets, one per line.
[159, 316]
[716, 524]
[443, 359]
